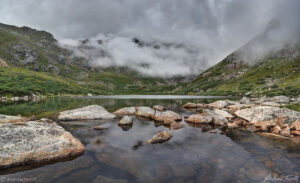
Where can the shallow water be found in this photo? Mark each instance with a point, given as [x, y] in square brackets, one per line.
[192, 155]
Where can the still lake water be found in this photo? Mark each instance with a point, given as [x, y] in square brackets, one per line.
[122, 155]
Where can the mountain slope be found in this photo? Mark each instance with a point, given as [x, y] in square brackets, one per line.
[38, 52]
[277, 73]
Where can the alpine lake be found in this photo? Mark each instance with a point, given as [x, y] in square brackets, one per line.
[193, 154]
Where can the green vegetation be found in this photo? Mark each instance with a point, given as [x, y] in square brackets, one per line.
[38, 65]
[295, 107]
[19, 82]
[271, 76]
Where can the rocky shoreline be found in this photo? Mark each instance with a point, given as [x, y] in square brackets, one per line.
[32, 98]
[261, 115]
[26, 141]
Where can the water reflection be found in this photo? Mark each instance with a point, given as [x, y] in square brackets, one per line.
[192, 155]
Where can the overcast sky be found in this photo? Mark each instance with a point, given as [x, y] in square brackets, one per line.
[215, 27]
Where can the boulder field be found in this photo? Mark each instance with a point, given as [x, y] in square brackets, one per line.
[26, 141]
[263, 115]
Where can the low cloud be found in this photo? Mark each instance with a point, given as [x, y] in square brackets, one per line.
[207, 30]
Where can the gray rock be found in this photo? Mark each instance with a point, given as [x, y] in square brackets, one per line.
[125, 111]
[245, 100]
[36, 142]
[85, 113]
[158, 108]
[167, 116]
[5, 118]
[3, 63]
[25, 54]
[272, 104]
[146, 112]
[239, 106]
[126, 120]
[280, 99]
[219, 104]
[267, 113]
[199, 118]
[223, 113]
[217, 118]
[193, 105]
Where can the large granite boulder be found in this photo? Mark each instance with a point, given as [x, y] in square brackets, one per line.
[86, 113]
[146, 112]
[36, 142]
[267, 113]
[125, 111]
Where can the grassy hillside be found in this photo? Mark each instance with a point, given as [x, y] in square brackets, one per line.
[277, 74]
[38, 64]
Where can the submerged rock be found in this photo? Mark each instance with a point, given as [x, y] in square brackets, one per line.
[158, 108]
[36, 142]
[145, 112]
[176, 126]
[160, 137]
[199, 118]
[102, 179]
[126, 120]
[86, 113]
[167, 116]
[125, 111]
[267, 113]
[100, 127]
